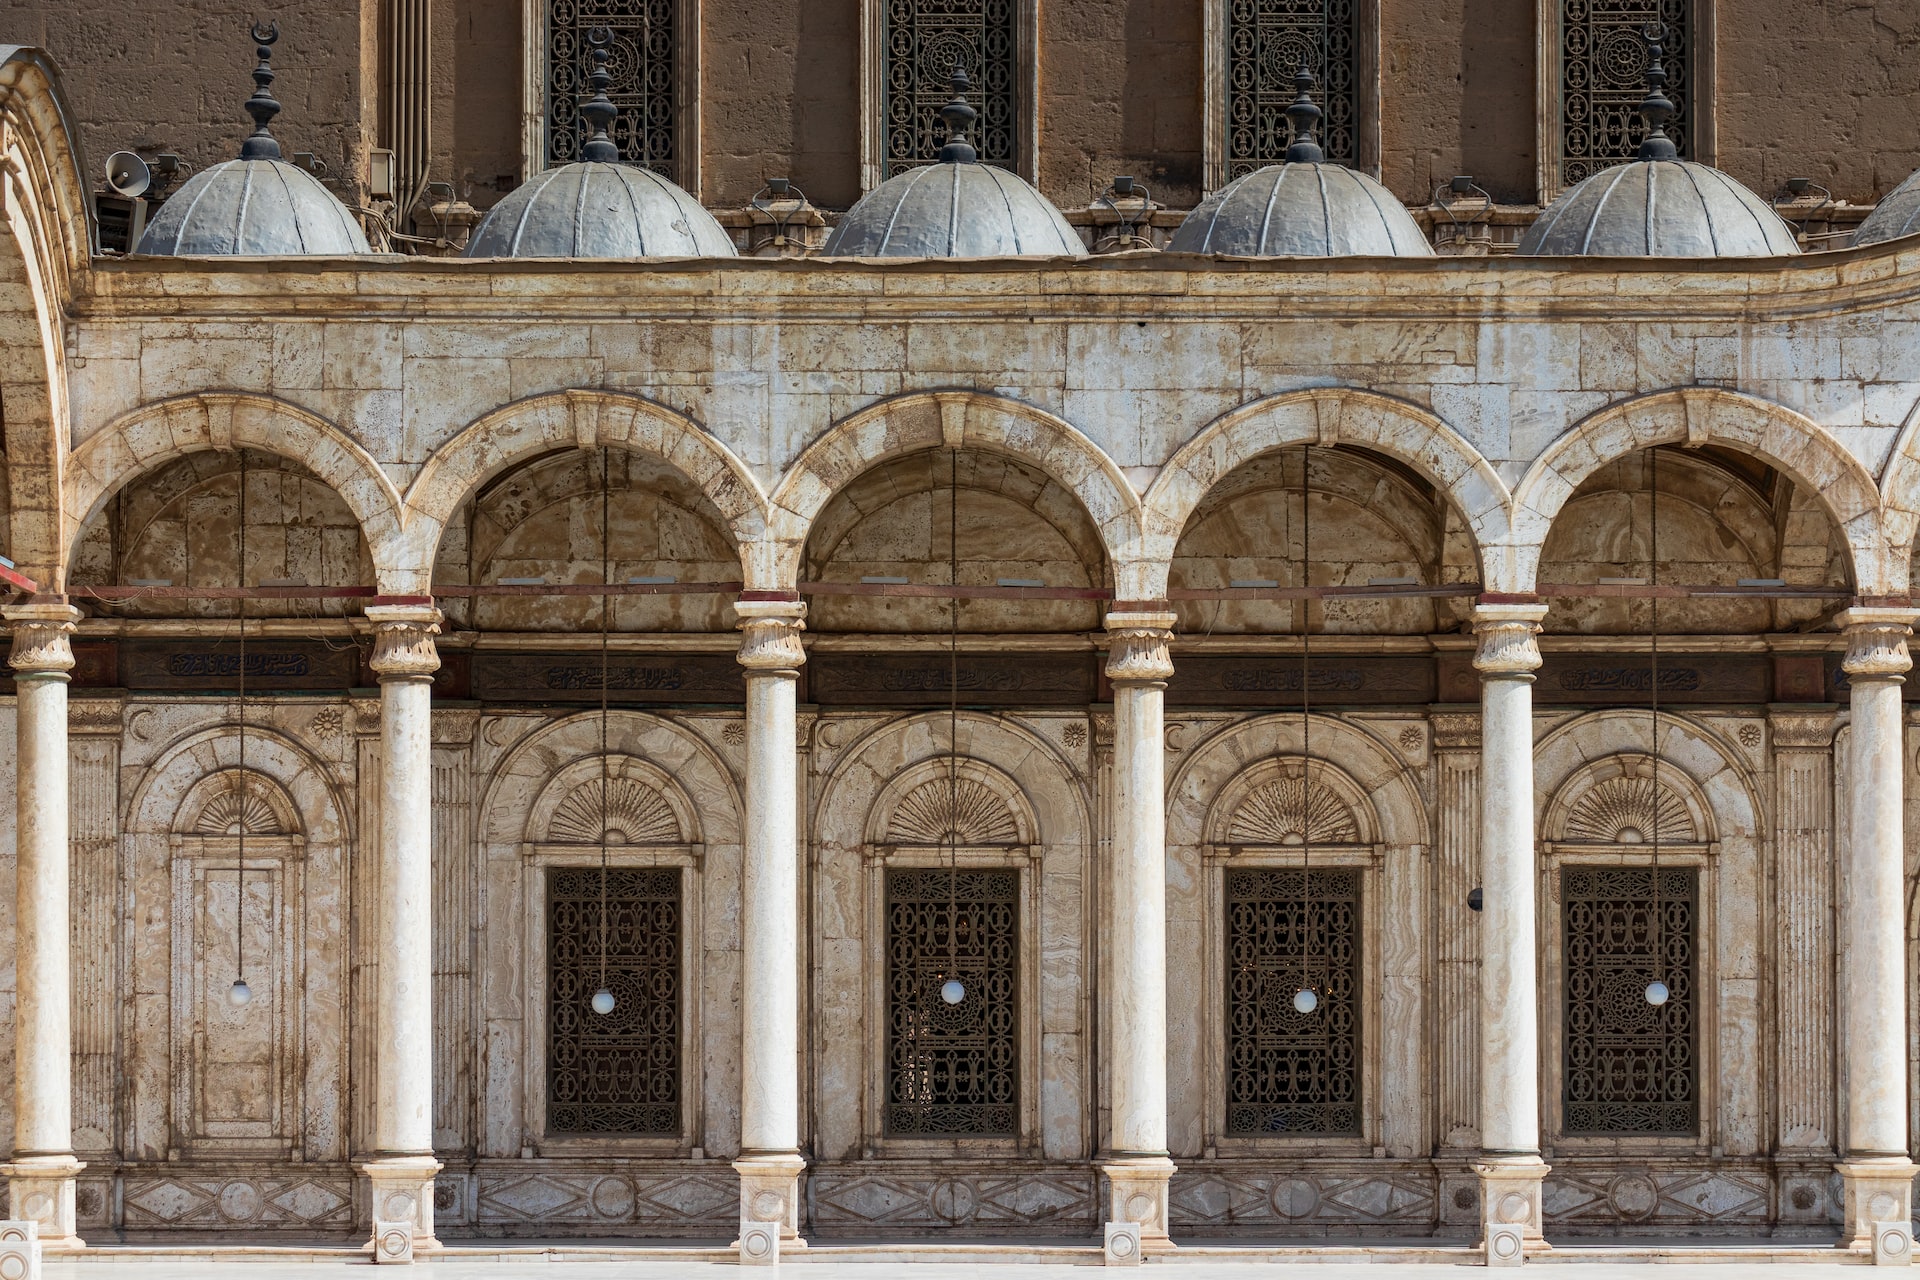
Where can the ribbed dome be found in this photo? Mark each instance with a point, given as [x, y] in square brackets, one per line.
[1302, 210]
[599, 209]
[1660, 209]
[258, 204]
[958, 210]
[1898, 215]
[253, 207]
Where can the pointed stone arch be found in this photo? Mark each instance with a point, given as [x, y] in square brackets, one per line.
[949, 419]
[1900, 490]
[1326, 416]
[1795, 444]
[139, 442]
[580, 419]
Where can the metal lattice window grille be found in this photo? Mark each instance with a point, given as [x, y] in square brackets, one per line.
[619, 1072]
[1603, 80]
[642, 64]
[1289, 1073]
[1630, 1067]
[924, 41]
[952, 1070]
[1267, 40]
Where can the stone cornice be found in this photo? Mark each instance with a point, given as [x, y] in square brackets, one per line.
[752, 290]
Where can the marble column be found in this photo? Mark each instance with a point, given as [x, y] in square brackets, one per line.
[1875, 1169]
[1511, 1171]
[1137, 1167]
[770, 1164]
[402, 1166]
[40, 1175]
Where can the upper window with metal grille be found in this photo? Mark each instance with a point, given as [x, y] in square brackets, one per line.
[1603, 80]
[1267, 41]
[924, 41]
[642, 64]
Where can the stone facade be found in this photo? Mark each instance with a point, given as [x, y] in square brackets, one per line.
[1145, 437]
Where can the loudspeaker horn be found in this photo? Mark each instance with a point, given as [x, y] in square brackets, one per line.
[128, 174]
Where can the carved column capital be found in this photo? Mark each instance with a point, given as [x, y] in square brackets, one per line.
[770, 634]
[1455, 730]
[1509, 640]
[42, 632]
[1802, 730]
[1137, 647]
[403, 646]
[1876, 642]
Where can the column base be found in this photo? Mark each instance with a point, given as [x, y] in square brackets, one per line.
[1877, 1189]
[1510, 1196]
[1137, 1193]
[401, 1192]
[770, 1192]
[40, 1189]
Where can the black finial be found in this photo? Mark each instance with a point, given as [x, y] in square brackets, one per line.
[599, 111]
[1303, 116]
[1658, 108]
[959, 116]
[261, 106]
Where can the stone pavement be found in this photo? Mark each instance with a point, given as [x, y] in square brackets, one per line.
[1595, 1261]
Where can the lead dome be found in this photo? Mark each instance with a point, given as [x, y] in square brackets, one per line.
[598, 206]
[257, 204]
[1658, 205]
[1898, 215]
[954, 208]
[1304, 208]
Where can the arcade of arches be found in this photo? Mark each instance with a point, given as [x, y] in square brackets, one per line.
[1020, 746]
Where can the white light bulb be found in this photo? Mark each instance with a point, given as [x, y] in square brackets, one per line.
[239, 993]
[1306, 1000]
[603, 1001]
[953, 991]
[1657, 992]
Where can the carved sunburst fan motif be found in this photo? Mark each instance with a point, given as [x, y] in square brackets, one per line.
[967, 812]
[1291, 811]
[1626, 810]
[635, 814]
[236, 812]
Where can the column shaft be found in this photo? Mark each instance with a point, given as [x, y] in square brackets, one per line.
[41, 1175]
[770, 1163]
[402, 1168]
[1138, 1170]
[1511, 1172]
[1877, 1174]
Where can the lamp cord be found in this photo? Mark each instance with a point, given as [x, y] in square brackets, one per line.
[606, 610]
[1306, 716]
[1653, 644]
[953, 713]
[240, 776]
